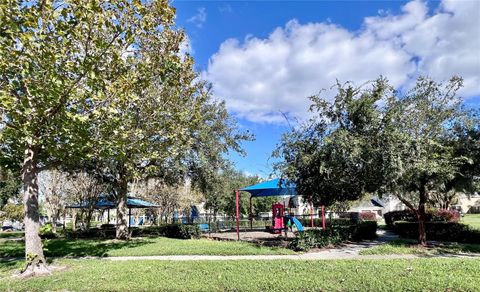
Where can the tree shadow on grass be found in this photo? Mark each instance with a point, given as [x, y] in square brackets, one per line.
[71, 247]
[85, 247]
[438, 247]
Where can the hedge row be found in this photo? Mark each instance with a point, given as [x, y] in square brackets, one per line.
[329, 222]
[334, 235]
[442, 231]
[182, 231]
[432, 215]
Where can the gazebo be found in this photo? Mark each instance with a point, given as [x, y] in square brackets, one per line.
[107, 203]
[270, 188]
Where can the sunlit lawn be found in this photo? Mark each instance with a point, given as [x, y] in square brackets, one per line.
[405, 246]
[140, 247]
[281, 275]
[471, 219]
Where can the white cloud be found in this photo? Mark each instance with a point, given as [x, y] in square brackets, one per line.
[199, 18]
[261, 77]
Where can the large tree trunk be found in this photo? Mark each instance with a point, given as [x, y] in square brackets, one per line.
[422, 234]
[36, 263]
[122, 227]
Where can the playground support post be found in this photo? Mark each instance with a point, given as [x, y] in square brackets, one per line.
[323, 217]
[237, 212]
[129, 216]
[251, 215]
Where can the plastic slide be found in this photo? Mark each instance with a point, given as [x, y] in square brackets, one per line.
[297, 223]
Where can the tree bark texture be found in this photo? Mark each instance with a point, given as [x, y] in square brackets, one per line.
[122, 221]
[35, 260]
[422, 234]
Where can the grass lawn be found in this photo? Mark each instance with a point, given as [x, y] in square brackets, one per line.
[471, 219]
[140, 247]
[342, 275]
[404, 246]
[11, 234]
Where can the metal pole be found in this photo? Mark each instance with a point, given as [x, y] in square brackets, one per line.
[237, 212]
[129, 215]
[323, 217]
[251, 215]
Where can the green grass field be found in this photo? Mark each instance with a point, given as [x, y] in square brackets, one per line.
[405, 246]
[140, 247]
[11, 234]
[340, 275]
[471, 219]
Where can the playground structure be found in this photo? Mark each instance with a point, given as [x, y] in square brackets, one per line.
[282, 221]
[274, 187]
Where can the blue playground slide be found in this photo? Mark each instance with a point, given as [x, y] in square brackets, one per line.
[297, 223]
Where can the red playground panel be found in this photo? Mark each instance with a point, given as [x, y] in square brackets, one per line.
[278, 211]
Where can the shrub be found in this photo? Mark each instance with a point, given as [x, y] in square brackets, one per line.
[367, 216]
[183, 231]
[394, 216]
[333, 235]
[364, 230]
[46, 232]
[443, 215]
[432, 215]
[443, 231]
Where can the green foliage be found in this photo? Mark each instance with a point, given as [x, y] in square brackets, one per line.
[376, 140]
[334, 235]
[220, 196]
[444, 231]
[432, 215]
[9, 185]
[13, 212]
[181, 231]
[46, 232]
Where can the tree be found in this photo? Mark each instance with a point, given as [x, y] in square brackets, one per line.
[374, 140]
[85, 190]
[53, 186]
[418, 146]
[160, 122]
[12, 212]
[169, 198]
[56, 61]
[330, 156]
[9, 186]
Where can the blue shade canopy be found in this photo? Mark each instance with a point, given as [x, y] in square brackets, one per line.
[274, 187]
[105, 203]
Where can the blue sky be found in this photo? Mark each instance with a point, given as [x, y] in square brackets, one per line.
[266, 57]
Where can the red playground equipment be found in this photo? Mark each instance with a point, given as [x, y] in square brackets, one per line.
[278, 212]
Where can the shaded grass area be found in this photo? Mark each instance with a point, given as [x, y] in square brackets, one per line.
[405, 246]
[12, 234]
[140, 247]
[471, 219]
[339, 275]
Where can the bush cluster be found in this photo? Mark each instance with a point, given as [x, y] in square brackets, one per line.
[316, 238]
[182, 231]
[442, 231]
[46, 232]
[432, 215]
[329, 222]
[367, 216]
